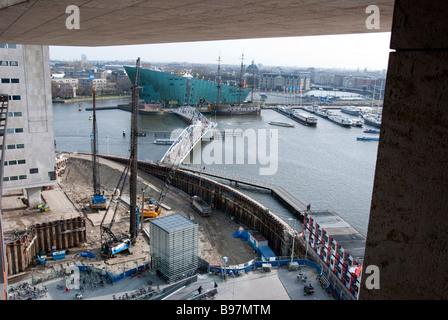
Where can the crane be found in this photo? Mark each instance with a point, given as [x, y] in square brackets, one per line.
[133, 227]
[112, 244]
[98, 199]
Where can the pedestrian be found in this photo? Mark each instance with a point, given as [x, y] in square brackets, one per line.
[215, 285]
[200, 289]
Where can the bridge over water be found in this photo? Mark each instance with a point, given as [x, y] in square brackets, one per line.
[199, 127]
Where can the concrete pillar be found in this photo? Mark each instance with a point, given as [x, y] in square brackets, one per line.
[33, 195]
[407, 237]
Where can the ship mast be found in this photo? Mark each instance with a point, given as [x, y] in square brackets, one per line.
[219, 76]
[241, 77]
[253, 83]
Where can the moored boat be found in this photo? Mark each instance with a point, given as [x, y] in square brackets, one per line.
[350, 110]
[309, 109]
[306, 120]
[371, 131]
[344, 122]
[372, 120]
[356, 123]
[163, 141]
[236, 109]
[284, 110]
[367, 138]
[321, 112]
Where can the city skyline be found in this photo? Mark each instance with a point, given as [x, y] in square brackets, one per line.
[368, 50]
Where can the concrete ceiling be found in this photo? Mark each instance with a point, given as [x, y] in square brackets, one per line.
[126, 22]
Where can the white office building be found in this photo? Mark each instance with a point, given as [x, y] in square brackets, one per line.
[29, 161]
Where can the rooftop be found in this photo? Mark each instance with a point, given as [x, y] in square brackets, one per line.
[173, 222]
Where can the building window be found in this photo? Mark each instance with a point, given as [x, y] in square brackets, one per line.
[34, 170]
[5, 80]
[5, 178]
[20, 146]
[17, 114]
[16, 97]
[11, 146]
[12, 46]
[13, 63]
[19, 130]
[13, 178]
[15, 80]
[21, 161]
[10, 130]
[4, 63]
[23, 177]
[12, 162]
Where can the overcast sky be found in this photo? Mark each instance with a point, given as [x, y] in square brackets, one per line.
[368, 50]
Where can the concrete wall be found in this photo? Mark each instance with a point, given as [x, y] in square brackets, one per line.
[407, 236]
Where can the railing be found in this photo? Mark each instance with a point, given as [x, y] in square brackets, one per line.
[189, 137]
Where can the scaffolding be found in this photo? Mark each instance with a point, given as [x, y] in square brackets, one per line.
[174, 246]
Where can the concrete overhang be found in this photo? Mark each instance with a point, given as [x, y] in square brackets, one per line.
[129, 22]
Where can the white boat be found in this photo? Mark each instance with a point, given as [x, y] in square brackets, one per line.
[372, 120]
[284, 109]
[308, 109]
[356, 123]
[344, 122]
[164, 141]
[321, 112]
[350, 110]
[306, 120]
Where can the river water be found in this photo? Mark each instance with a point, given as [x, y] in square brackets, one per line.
[324, 166]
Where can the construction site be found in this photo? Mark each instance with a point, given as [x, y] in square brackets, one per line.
[108, 218]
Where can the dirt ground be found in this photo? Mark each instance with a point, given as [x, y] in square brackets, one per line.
[215, 232]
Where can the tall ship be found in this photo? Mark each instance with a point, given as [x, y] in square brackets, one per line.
[249, 107]
[241, 107]
[351, 110]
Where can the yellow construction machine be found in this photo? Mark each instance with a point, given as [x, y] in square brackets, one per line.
[151, 209]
